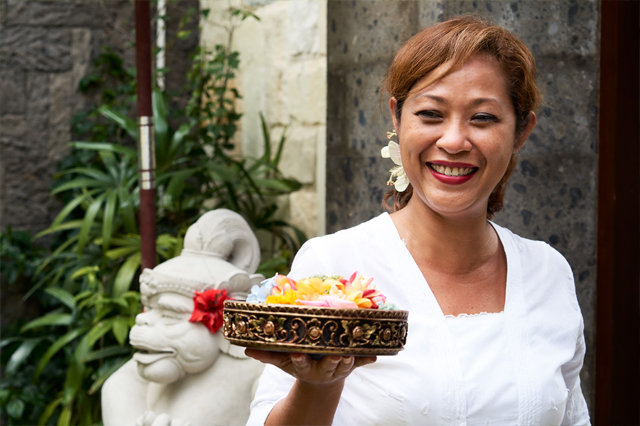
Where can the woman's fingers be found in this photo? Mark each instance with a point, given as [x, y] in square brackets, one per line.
[364, 360]
[279, 359]
[344, 367]
[302, 365]
[322, 371]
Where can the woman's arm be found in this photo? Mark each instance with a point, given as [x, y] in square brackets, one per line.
[315, 395]
[576, 412]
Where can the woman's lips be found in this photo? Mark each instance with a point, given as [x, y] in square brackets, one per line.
[452, 173]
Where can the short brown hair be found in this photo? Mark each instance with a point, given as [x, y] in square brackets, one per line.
[455, 41]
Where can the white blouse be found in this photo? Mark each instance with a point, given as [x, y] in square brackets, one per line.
[520, 366]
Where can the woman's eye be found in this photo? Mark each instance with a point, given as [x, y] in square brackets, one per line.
[484, 118]
[430, 115]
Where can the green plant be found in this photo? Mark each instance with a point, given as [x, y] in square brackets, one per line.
[89, 279]
[18, 256]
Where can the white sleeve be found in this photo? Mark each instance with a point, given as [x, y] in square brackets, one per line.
[576, 412]
[274, 383]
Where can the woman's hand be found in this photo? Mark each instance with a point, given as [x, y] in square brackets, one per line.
[315, 395]
[327, 370]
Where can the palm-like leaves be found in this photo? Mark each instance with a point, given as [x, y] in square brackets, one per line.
[90, 276]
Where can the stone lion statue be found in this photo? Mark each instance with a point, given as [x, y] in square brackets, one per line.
[185, 372]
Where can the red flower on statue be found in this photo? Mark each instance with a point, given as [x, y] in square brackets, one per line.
[207, 308]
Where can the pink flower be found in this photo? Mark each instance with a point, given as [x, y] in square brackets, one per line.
[329, 302]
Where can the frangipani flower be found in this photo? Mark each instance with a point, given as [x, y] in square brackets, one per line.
[260, 293]
[288, 297]
[330, 302]
[393, 151]
[309, 288]
[361, 291]
[320, 290]
[282, 285]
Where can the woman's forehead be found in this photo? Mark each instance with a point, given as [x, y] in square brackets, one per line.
[479, 67]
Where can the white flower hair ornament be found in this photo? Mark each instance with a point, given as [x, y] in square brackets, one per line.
[393, 151]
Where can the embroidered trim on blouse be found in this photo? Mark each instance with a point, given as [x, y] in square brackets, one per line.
[481, 314]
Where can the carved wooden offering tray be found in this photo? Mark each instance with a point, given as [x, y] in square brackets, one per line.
[315, 330]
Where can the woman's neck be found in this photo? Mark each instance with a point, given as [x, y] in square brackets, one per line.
[453, 245]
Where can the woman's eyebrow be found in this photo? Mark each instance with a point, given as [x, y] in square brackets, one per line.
[481, 101]
[438, 99]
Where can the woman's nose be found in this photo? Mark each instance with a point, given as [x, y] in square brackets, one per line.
[454, 139]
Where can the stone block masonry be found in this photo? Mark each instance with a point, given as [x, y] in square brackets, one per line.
[282, 75]
[47, 47]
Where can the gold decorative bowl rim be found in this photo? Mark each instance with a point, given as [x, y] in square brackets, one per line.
[315, 330]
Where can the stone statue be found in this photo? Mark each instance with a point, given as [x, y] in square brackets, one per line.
[185, 372]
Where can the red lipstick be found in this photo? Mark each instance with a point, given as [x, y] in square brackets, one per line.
[452, 180]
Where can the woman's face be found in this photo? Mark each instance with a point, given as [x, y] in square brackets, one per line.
[457, 136]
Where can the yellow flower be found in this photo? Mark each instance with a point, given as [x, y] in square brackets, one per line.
[313, 286]
[288, 297]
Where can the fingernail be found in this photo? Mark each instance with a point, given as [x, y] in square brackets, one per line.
[347, 360]
[297, 357]
[335, 360]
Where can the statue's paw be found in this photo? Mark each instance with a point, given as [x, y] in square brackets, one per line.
[146, 419]
[149, 418]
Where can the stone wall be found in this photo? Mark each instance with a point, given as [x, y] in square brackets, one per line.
[46, 50]
[552, 194]
[47, 47]
[283, 75]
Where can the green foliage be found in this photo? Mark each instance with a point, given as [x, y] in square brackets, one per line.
[18, 256]
[55, 365]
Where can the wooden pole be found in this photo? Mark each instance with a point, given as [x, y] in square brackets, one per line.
[618, 285]
[146, 143]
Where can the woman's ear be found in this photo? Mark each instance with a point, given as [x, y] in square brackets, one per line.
[522, 137]
[392, 107]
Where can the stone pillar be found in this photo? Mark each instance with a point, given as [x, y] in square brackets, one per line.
[552, 193]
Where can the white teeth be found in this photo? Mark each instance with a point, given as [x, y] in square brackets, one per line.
[448, 171]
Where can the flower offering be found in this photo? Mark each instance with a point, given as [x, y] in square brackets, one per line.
[357, 292]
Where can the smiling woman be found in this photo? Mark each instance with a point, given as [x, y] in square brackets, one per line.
[459, 129]
[496, 333]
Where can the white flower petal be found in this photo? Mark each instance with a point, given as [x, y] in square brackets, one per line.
[402, 183]
[394, 153]
[385, 152]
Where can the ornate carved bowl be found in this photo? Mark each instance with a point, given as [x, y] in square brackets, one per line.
[313, 330]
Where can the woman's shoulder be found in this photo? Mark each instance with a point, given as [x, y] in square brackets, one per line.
[544, 271]
[373, 229]
[533, 251]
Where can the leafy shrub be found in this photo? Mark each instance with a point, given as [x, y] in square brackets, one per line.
[55, 365]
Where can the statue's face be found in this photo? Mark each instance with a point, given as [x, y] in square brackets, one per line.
[169, 346]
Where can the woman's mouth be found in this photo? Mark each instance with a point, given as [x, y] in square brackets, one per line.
[454, 174]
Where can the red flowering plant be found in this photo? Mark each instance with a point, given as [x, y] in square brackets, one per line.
[207, 308]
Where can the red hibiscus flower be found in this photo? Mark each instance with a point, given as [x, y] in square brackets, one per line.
[207, 308]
